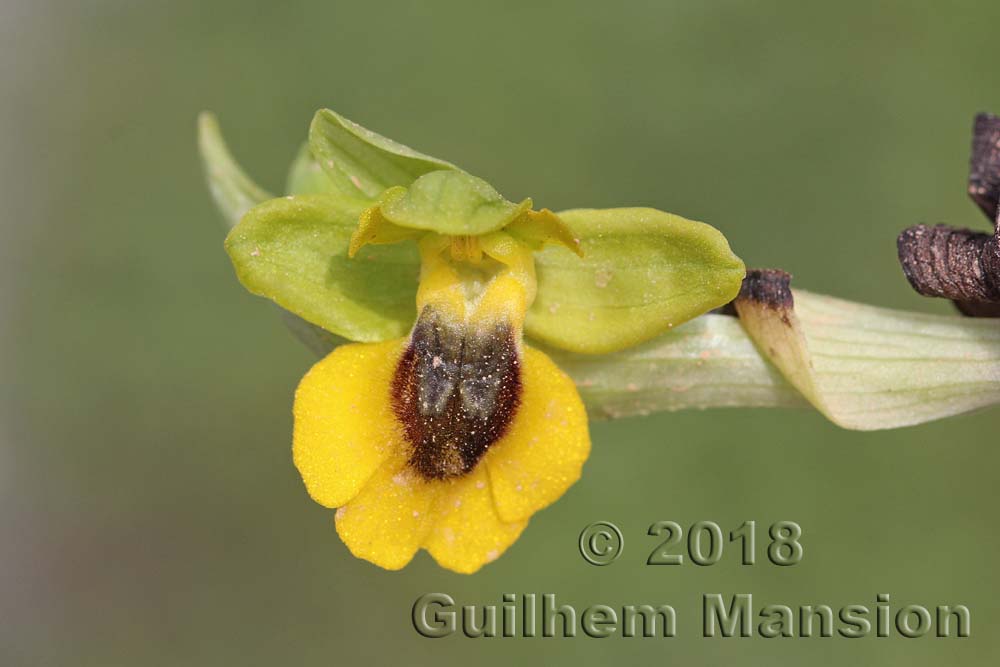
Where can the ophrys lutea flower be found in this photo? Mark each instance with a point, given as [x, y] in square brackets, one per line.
[452, 437]
[440, 428]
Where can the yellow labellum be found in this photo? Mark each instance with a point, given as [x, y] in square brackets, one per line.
[351, 453]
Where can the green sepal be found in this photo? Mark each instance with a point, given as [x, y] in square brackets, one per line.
[235, 193]
[361, 163]
[293, 250]
[643, 272]
[452, 203]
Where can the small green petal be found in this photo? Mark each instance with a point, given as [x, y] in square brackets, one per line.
[375, 229]
[643, 272]
[540, 228]
[293, 250]
[452, 203]
[361, 163]
[233, 191]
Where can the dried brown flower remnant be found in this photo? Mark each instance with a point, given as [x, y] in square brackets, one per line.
[961, 264]
[984, 166]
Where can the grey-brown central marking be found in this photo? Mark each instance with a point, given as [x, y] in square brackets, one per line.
[455, 391]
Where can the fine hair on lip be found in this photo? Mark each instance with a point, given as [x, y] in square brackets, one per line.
[456, 390]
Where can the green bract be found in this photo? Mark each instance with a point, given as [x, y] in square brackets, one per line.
[863, 367]
[641, 273]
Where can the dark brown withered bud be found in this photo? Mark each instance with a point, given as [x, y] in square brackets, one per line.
[456, 390]
[984, 166]
[769, 287]
[958, 264]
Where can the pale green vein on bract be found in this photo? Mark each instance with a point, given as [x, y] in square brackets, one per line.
[870, 368]
[863, 367]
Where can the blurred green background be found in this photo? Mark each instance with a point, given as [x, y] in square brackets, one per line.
[151, 513]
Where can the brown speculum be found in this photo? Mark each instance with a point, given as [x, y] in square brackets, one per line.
[455, 391]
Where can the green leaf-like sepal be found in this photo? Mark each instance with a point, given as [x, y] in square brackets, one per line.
[235, 193]
[643, 272]
[293, 250]
[361, 163]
